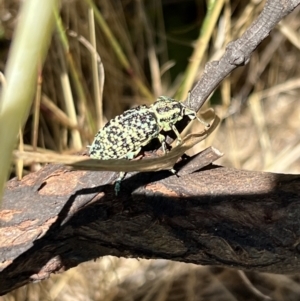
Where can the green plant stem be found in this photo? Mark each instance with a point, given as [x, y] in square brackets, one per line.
[28, 50]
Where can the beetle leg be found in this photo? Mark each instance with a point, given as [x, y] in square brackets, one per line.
[162, 140]
[122, 175]
[132, 155]
[177, 134]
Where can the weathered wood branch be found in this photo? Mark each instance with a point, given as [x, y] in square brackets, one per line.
[238, 52]
[55, 219]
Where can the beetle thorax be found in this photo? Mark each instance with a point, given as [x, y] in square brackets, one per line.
[167, 111]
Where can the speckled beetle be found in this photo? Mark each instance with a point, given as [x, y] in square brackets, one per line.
[124, 136]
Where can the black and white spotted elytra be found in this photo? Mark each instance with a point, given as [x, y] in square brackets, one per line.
[124, 136]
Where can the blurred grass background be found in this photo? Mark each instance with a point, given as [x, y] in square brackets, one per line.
[147, 49]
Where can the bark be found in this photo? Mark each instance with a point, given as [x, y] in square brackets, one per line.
[55, 219]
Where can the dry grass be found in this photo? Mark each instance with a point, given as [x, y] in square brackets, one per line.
[260, 130]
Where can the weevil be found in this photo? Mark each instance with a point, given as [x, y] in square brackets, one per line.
[124, 136]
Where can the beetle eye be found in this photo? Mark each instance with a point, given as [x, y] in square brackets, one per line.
[163, 109]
